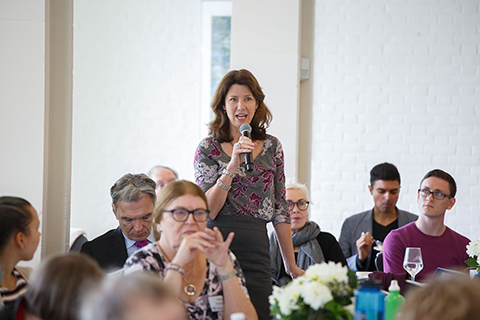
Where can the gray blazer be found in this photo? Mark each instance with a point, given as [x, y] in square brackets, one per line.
[362, 222]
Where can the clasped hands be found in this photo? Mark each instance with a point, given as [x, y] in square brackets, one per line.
[211, 244]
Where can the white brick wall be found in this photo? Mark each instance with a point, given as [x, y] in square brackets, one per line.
[396, 82]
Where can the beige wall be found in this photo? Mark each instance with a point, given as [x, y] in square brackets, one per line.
[266, 41]
[35, 99]
[22, 95]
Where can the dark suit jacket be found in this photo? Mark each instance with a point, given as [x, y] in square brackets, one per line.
[108, 250]
[362, 222]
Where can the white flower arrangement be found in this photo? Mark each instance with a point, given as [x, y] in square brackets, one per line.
[473, 251]
[323, 292]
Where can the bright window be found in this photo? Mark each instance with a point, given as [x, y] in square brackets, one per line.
[216, 23]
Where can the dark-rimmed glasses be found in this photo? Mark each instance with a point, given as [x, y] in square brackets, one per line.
[436, 194]
[302, 205]
[181, 215]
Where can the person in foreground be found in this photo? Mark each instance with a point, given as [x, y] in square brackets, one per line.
[19, 237]
[309, 243]
[135, 296]
[243, 201]
[440, 245]
[193, 260]
[59, 286]
[360, 231]
[133, 201]
[450, 298]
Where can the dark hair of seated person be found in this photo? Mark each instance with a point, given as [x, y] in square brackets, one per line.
[15, 218]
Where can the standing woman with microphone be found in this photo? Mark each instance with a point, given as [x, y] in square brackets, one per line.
[244, 201]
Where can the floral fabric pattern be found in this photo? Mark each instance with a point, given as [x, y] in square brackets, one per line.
[260, 193]
[150, 259]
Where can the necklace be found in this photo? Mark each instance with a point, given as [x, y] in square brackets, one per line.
[189, 289]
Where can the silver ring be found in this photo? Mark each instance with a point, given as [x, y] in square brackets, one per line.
[238, 145]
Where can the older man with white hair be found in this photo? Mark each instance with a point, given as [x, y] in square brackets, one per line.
[162, 176]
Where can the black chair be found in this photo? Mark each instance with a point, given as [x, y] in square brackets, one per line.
[77, 245]
[379, 261]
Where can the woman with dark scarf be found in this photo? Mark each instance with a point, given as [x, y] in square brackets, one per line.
[310, 244]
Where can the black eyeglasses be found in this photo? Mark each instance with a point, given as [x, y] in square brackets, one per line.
[302, 205]
[436, 194]
[181, 215]
[137, 181]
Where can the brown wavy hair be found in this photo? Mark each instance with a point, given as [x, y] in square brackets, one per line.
[219, 127]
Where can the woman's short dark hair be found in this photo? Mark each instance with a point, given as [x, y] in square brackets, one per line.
[57, 287]
[444, 176]
[172, 191]
[14, 217]
[219, 127]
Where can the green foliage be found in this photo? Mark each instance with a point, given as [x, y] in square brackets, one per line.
[352, 279]
[472, 263]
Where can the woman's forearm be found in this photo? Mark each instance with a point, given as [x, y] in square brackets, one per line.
[217, 195]
[284, 237]
[174, 280]
[235, 300]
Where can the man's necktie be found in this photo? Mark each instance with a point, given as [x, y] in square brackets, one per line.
[141, 244]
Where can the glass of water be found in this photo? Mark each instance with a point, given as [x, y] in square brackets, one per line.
[413, 261]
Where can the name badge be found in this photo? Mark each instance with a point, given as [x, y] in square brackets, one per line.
[216, 303]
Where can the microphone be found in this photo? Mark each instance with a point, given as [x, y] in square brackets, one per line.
[246, 130]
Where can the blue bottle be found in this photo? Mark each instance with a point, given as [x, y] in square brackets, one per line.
[369, 302]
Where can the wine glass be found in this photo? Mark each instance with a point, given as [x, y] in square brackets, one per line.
[413, 261]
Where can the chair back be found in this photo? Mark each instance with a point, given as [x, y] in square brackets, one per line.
[379, 261]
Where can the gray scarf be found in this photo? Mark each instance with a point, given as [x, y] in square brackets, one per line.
[309, 253]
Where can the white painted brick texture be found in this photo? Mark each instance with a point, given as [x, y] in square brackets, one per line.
[397, 82]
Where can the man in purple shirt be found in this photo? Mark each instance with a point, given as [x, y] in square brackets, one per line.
[440, 245]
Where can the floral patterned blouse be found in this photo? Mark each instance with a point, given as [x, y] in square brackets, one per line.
[150, 258]
[260, 193]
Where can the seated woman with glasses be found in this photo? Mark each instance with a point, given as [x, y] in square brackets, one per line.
[193, 260]
[309, 243]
